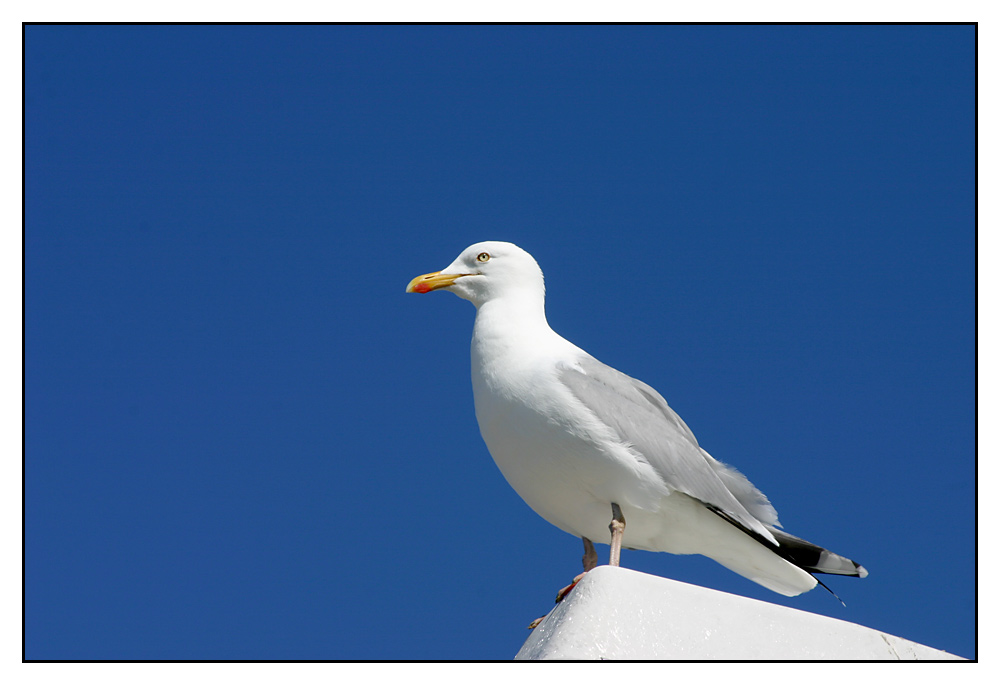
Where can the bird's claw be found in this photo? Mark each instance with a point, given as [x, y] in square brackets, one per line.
[561, 595]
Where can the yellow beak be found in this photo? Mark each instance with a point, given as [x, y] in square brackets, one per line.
[432, 281]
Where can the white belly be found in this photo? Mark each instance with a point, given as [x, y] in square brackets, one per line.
[569, 467]
[570, 476]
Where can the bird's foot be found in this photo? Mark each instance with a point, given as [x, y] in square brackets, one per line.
[561, 595]
[589, 563]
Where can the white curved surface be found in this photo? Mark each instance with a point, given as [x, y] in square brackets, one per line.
[616, 613]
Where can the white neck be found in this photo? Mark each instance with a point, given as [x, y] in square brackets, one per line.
[512, 330]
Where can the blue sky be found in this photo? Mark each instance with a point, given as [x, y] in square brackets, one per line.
[244, 441]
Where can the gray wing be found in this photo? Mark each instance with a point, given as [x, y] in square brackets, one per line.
[642, 419]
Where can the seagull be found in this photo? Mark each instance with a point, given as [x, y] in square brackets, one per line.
[589, 448]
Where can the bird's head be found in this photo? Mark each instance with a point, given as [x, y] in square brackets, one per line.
[486, 271]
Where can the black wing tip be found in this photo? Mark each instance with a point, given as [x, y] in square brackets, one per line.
[802, 553]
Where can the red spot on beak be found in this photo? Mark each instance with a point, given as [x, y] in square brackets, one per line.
[421, 288]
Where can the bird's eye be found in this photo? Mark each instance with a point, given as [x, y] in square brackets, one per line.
[483, 257]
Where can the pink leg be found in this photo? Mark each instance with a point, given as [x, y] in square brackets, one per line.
[617, 527]
[589, 563]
